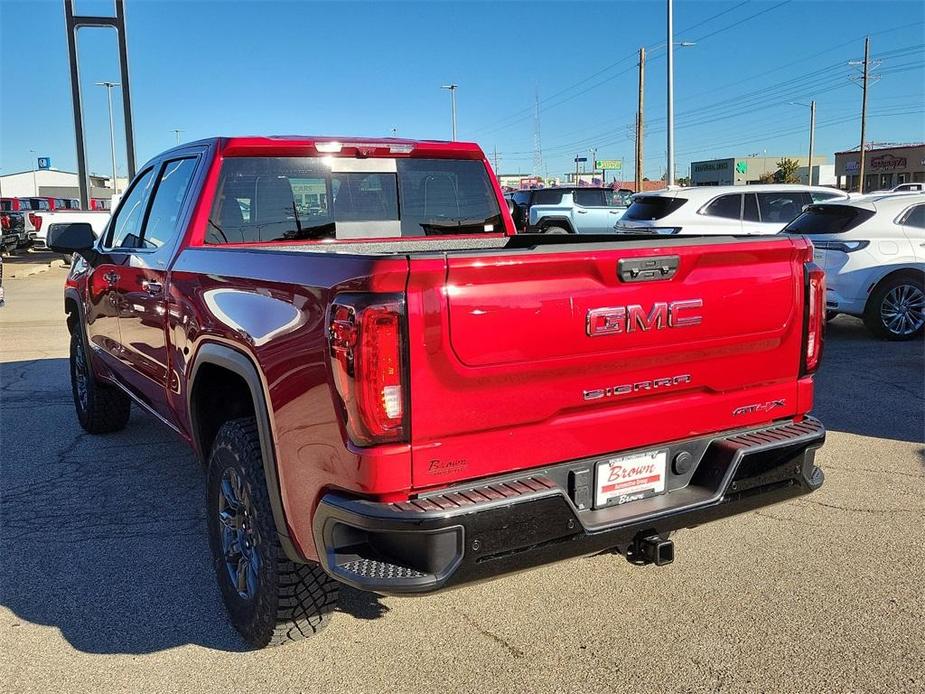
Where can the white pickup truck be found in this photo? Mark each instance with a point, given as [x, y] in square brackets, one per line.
[46, 220]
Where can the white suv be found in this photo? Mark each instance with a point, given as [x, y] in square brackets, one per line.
[756, 209]
[873, 253]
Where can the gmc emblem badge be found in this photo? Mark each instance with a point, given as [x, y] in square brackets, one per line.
[627, 319]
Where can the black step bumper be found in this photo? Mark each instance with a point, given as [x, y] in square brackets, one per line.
[515, 522]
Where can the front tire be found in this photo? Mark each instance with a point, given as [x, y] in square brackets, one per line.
[101, 409]
[555, 230]
[270, 599]
[896, 309]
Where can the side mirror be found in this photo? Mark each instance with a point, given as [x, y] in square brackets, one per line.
[510, 206]
[75, 237]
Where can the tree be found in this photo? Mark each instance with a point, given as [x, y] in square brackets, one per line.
[768, 177]
[787, 171]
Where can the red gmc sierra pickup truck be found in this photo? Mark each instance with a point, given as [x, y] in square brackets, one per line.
[392, 390]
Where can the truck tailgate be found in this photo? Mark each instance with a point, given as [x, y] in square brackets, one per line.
[505, 375]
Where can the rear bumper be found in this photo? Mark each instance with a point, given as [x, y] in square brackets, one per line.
[506, 524]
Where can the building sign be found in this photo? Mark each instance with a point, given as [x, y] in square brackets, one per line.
[741, 167]
[711, 165]
[888, 162]
[580, 159]
[852, 166]
[531, 182]
[611, 164]
[44, 163]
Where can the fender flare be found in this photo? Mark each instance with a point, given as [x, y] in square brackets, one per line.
[242, 365]
[564, 222]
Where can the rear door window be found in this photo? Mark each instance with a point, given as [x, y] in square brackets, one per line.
[725, 206]
[172, 186]
[780, 208]
[828, 219]
[651, 207]
[589, 197]
[915, 217]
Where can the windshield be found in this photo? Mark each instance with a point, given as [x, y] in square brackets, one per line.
[828, 219]
[298, 198]
[651, 207]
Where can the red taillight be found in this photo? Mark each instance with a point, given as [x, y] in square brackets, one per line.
[814, 316]
[366, 348]
[36, 221]
[5, 222]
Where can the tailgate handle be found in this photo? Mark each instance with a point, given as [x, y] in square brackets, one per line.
[648, 269]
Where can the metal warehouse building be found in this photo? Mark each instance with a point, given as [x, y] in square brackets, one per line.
[885, 166]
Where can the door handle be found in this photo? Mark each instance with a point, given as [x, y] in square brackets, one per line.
[582, 211]
[153, 288]
[111, 278]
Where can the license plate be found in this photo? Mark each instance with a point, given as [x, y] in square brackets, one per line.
[630, 478]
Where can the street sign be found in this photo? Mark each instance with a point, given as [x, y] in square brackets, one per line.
[44, 162]
[580, 159]
[609, 164]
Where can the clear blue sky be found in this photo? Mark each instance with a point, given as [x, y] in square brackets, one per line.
[214, 68]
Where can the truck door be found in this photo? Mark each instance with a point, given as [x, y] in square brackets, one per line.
[106, 278]
[143, 319]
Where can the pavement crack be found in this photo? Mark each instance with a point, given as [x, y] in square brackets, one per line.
[851, 509]
[500, 640]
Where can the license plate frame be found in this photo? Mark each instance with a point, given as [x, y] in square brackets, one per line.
[627, 478]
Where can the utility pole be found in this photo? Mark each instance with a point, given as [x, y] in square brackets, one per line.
[495, 158]
[640, 123]
[452, 89]
[670, 177]
[864, 109]
[812, 137]
[593, 152]
[537, 141]
[112, 132]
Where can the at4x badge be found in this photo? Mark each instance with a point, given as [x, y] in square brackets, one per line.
[759, 407]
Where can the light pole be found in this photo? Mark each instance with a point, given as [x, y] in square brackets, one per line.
[452, 88]
[35, 188]
[812, 135]
[177, 132]
[112, 133]
[671, 45]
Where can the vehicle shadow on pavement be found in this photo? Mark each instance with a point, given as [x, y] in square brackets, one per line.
[104, 537]
[868, 386]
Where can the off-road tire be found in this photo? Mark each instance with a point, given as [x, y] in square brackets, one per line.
[831, 315]
[873, 316]
[291, 601]
[555, 230]
[101, 408]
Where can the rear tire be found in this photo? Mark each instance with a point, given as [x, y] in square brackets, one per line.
[101, 409]
[896, 309]
[270, 599]
[555, 230]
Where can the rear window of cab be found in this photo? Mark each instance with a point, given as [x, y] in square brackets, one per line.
[648, 208]
[262, 199]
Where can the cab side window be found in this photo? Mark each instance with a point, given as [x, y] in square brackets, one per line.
[125, 230]
[725, 206]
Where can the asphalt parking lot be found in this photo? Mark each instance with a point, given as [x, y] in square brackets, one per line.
[106, 584]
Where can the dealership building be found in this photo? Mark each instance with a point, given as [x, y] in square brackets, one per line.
[740, 171]
[885, 166]
[51, 183]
